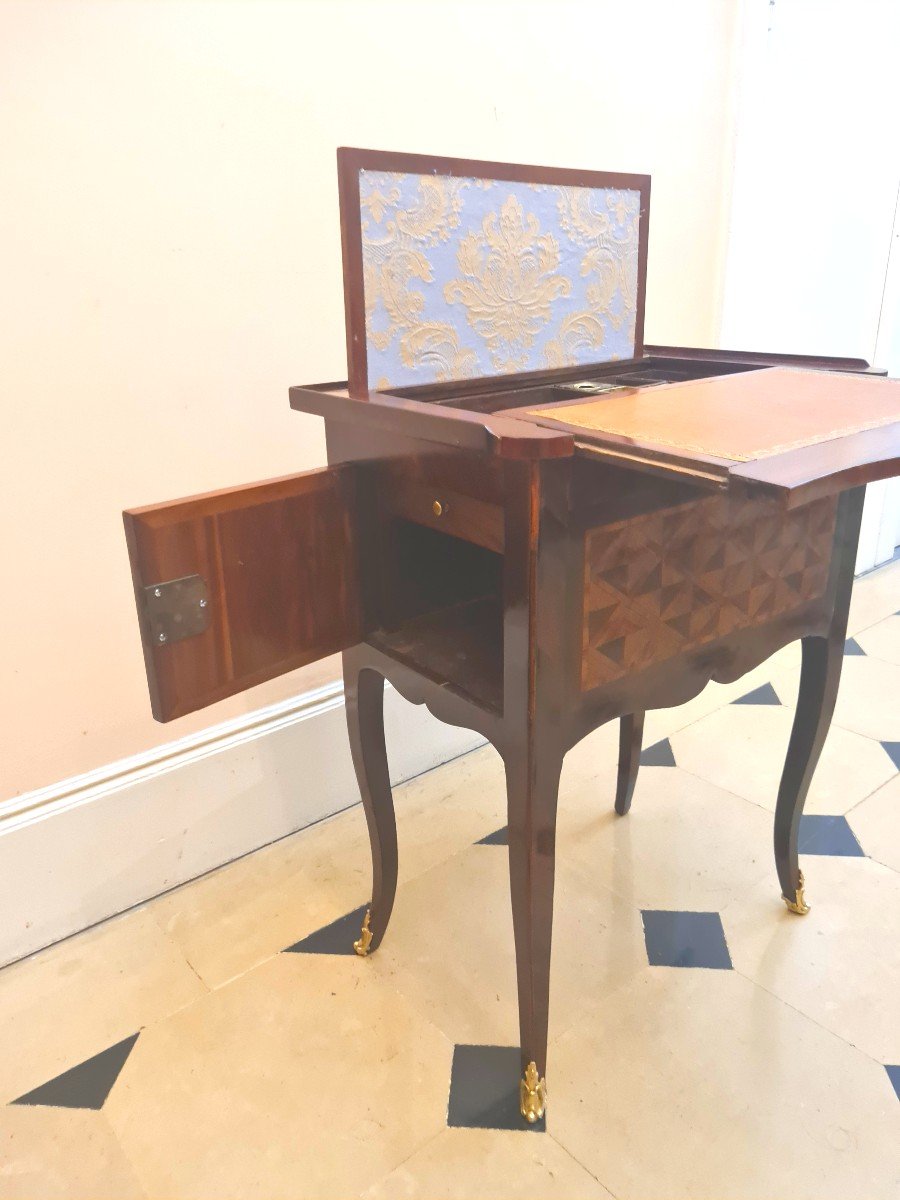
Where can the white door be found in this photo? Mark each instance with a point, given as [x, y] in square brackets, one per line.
[814, 252]
[879, 536]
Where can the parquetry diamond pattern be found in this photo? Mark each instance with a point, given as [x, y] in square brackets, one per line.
[665, 582]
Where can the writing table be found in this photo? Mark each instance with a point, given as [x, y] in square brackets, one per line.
[530, 522]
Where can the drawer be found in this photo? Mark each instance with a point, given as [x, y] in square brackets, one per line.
[449, 494]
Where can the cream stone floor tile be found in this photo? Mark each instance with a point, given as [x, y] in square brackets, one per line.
[869, 699]
[698, 1085]
[306, 1077]
[236, 917]
[840, 964]
[883, 640]
[875, 596]
[62, 1154]
[449, 948]
[82, 995]
[663, 722]
[485, 1164]
[742, 748]
[876, 823]
[593, 762]
[595, 757]
[685, 844]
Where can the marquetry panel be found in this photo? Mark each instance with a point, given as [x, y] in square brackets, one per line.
[665, 582]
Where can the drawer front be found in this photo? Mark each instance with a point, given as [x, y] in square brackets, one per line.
[446, 494]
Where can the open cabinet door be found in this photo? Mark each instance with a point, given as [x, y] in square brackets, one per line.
[239, 586]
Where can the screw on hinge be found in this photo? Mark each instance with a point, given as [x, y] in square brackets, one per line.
[162, 637]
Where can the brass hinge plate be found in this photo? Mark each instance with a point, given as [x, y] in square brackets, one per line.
[176, 609]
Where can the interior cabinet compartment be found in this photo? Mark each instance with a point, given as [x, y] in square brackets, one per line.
[647, 373]
[440, 609]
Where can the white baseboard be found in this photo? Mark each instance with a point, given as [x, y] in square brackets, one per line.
[94, 845]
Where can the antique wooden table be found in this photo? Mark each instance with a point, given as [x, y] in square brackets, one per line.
[530, 522]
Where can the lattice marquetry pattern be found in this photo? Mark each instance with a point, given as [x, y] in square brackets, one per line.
[665, 582]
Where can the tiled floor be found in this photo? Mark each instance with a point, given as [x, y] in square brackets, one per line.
[705, 1044]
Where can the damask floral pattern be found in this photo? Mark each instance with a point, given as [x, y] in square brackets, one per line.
[465, 278]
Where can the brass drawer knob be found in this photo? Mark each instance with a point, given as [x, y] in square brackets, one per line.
[438, 508]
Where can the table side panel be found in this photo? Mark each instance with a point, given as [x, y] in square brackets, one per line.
[663, 583]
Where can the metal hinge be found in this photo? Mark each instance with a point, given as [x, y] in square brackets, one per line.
[176, 609]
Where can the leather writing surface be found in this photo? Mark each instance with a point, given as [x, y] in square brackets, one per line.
[737, 417]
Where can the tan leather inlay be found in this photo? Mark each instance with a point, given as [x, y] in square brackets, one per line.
[662, 583]
[739, 417]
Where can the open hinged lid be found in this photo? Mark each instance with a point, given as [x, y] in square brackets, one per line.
[790, 433]
[459, 271]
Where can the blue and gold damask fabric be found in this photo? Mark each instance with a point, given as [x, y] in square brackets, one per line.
[467, 278]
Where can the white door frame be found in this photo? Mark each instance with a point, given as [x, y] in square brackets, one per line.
[879, 536]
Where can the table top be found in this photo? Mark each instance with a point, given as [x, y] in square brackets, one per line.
[796, 434]
[736, 418]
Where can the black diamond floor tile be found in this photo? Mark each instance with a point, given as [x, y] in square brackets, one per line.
[893, 751]
[685, 939]
[86, 1085]
[765, 694]
[484, 1089]
[500, 837]
[658, 755]
[336, 938]
[827, 835]
[894, 1072]
[852, 646]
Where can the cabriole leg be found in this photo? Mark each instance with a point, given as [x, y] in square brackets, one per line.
[364, 699]
[820, 675]
[532, 787]
[631, 733]
[819, 679]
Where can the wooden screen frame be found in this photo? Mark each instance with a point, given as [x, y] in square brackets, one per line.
[351, 160]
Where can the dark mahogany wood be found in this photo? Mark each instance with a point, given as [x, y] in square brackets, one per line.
[820, 676]
[631, 733]
[479, 432]
[279, 562]
[814, 362]
[532, 743]
[450, 493]
[364, 701]
[813, 471]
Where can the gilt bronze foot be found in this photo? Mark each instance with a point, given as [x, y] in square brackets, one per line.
[798, 905]
[361, 946]
[532, 1095]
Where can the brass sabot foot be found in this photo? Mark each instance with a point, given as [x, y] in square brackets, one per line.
[798, 905]
[361, 946]
[532, 1094]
